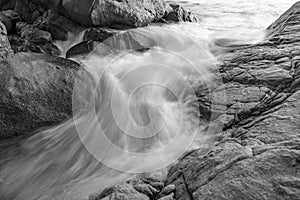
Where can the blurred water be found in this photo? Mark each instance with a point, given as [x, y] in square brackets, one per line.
[238, 20]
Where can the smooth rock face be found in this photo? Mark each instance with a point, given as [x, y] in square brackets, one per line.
[130, 12]
[36, 91]
[257, 155]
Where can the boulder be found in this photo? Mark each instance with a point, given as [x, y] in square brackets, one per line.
[5, 48]
[56, 24]
[180, 14]
[36, 91]
[130, 12]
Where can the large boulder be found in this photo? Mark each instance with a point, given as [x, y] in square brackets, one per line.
[127, 12]
[36, 91]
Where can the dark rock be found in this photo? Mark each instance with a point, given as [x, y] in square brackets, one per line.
[12, 19]
[6, 21]
[130, 12]
[7, 4]
[99, 34]
[129, 40]
[180, 14]
[56, 24]
[28, 10]
[79, 11]
[5, 48]
[36, 90]
[40, 37]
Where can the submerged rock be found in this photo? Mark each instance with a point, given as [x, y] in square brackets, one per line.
[36, 91]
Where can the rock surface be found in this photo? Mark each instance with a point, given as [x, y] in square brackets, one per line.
[180, 14]
[130, 12]
[257, 155]
[5, 48]
[36, 91]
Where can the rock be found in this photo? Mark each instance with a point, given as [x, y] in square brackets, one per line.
[36, 91]
[6, 21]
[129, 40]
[124, 192]
[167, 190]
[31, 39]
[168, 197]
[79, 11]
[7, 4]
[29, 10]
[99, 34]
[13, 17]
[5, 48]
[131, 13]
[180, 14]
[257, 154]
[57, 25]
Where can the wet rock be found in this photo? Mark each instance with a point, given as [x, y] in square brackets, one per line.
[5, 48]
[125, 41]
[180, 14]
[40, 37]
[56, 24]
[99, 34]
[131, 13]
[13, 17]
[6, 21]
[257, 153]
[36, 91]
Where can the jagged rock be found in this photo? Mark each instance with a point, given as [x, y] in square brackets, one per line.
[31, 39]
[180, 14]
[257, 154]
[36, 90]
[5, 48]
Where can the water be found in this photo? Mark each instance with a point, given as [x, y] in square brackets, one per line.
[141, 113]
[238, 21]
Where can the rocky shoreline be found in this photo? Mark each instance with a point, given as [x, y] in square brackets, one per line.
[256, 156]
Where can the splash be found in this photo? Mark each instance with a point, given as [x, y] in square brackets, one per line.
[140, 115]
[72, 39]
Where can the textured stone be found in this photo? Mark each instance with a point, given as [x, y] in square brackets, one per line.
[36, 90]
